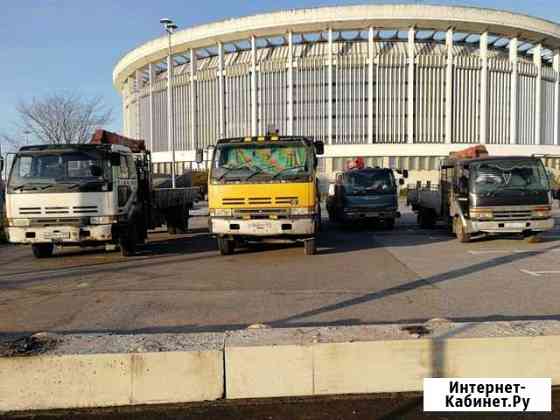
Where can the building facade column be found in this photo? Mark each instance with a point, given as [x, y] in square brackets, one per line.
[330, 96]
[513, 58]
[537, 59]
[193, 100]
[290, 87]
[484, 88]
[151, 106]
[449, 87]
[411, 48]
[371, 64]
[556, 67]
[221, 92]
[254, 120]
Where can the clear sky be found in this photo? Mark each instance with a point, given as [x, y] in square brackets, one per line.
[49, 45]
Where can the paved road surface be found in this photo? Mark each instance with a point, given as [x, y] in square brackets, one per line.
[359, 276]
[365, 407]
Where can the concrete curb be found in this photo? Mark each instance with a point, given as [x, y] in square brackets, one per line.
[111, 370]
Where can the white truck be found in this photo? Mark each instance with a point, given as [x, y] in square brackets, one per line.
[483, 195]
[92, 194]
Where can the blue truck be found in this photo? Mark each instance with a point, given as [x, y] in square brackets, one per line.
[365, 194]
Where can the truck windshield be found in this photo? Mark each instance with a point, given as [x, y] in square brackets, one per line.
[270, 161]
[369, 182]
[508, 176]
[65, 171]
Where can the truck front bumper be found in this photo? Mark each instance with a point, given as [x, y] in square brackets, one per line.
[71, 235]
[356, 214]
[263, 227]
[535, 225]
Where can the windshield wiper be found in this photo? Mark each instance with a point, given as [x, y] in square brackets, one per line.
[31, 187]
[228, 170]
[288, 169]
[256, 171]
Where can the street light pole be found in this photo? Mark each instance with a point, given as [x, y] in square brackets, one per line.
[27, 133]
[170, 27]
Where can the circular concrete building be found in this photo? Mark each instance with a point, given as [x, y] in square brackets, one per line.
[401, 85]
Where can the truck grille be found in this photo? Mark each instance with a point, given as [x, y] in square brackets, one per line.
[58, 211]
[256, 201]
[85, 209]
[259, 200]
[233, 201]
[262, 213]
[512, 215]
[30, 210]
[287, 200]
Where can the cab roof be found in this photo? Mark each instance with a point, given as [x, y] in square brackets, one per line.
[268, 138]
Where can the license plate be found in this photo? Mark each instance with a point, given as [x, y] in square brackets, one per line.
[262, 227]
[515, 225]
[57, 235]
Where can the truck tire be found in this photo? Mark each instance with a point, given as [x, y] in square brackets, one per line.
[183, 222]
[42, 250]
[459, 229]
[171, 222]
[226, 246]
[128, 241]
[310, 246]
[389, 224]
[426, 219]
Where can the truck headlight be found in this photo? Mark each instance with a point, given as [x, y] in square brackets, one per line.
[220, 212]
[19, 222]
[541, 213]
[482, 214]
[102, 220]
[301, 211]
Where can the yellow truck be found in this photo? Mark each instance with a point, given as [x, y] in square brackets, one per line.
[264, 189]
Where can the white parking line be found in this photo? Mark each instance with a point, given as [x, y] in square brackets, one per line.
[499, 251]
[539, 273]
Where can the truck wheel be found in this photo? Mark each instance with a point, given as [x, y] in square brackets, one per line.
[389, 224]
[183, 223]
[310, 246]
[42, 250]
[426, 219]
[226, 246]
[332, 217]
[533, 238]
[128, 242]
[460, 232]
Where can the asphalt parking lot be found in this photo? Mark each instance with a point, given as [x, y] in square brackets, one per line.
[360, 275]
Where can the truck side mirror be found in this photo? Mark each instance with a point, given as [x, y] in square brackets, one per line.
[339, 179]
[199, 157]
[319, 148]
[405, 173]
[463, 185]
[115, 159]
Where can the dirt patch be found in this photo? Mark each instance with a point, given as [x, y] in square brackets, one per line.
[31, 345]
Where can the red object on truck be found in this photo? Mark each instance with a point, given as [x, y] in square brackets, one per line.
[472, 152]
[106, 137]
[357, 163]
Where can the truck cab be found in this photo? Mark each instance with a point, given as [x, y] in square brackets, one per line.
[365, 194]
[100, 193]
[504, 194]
[70, 194]
[480, 194]
[264, 188]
